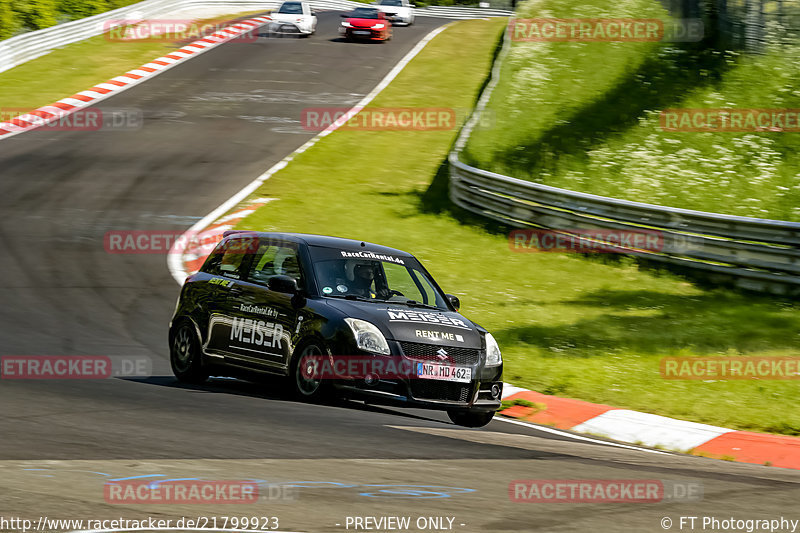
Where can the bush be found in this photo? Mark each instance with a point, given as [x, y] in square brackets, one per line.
[76, 9]
[8, 20]
[38, 14]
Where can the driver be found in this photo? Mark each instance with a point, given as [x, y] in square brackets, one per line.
[361, 275]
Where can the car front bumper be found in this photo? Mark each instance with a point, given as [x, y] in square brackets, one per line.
[363, 33]
[289, 28]
[483, 392]
[397, 18]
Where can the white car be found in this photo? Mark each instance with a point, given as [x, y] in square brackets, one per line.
[294, 17]
[398, 11]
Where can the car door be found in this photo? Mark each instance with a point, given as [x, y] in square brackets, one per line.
[226, 265]
[255, 330]
[310, 15]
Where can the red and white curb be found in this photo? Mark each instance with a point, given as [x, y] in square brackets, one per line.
[653, 430]
[65, 106]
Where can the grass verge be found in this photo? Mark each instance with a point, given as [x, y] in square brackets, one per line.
[570, 326]
[585, 116]
[77, 67]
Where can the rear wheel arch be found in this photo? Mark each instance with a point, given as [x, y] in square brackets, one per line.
[186, 352]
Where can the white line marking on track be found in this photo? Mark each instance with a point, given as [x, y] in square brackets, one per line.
[546, 429]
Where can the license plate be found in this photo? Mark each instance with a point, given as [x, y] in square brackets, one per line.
[460, 374]
[361, 32]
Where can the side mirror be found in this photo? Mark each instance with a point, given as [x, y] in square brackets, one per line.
[344, 15]
[454, 301]
[284, 284]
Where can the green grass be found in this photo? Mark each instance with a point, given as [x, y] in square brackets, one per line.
[589, 329]
[74, 68]
[585, 116]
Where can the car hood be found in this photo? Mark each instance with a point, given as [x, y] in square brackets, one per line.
[414, 324]
[393, 9]
[364, 23]
[286, 17]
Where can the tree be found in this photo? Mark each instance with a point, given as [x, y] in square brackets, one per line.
[8, 20]
[76, 9]
[40, 14]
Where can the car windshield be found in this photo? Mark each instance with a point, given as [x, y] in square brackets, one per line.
[374, 277]
[391, 3]
[292, 8]
[364, 13]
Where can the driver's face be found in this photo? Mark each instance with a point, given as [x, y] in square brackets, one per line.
[364, 272]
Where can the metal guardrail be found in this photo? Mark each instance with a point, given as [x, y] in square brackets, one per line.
[751, 253]
[27, 46]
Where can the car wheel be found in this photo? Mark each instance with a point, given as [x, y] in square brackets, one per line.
[185, 355]
[471, 419]
[306, 387]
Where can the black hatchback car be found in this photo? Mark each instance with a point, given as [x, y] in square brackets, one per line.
[334, 314]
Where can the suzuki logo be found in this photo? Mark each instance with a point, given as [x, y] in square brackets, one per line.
[442, 353]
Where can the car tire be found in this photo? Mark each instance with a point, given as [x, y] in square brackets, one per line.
[185, 355]
[308, 389]
[470, 419]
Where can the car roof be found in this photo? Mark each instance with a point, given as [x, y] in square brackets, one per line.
[327, 241]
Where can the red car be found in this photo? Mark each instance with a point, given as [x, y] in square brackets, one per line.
[366, 23]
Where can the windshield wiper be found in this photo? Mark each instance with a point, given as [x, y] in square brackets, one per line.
[350, 297]
[414, 303]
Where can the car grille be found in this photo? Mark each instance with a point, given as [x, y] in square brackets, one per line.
[426, 389]
[427, 352]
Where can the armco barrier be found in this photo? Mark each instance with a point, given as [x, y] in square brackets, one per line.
[751, 253]
[27, 46]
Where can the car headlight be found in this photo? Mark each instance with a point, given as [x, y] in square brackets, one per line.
[493, 356]
[368, 336]
[377, 27]
[346, 24]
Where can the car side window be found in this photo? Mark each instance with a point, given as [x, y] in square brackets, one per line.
[273, 260]
[228, 258]
[399, 279]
